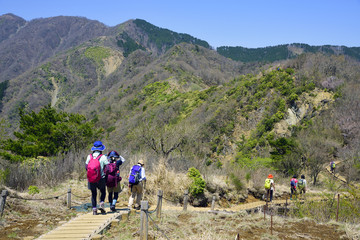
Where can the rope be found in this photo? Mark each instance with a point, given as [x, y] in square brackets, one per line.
[79, 196]
[157, 206]
[156, 225]
[169, 200]
[37, 199]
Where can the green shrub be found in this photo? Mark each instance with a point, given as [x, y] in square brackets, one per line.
[197, 187]
[236, 182]
[3, 175]
[33, 190]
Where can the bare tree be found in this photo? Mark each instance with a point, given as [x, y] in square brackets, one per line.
[318, 143]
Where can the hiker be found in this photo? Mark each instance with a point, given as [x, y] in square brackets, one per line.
[95, 164]
[269, 187]
[332, 166]
[302, 185]
[137, 182]
[293, 186]
[113, 177]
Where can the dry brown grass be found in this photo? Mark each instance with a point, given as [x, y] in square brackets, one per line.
[206, 226]
[171, 182]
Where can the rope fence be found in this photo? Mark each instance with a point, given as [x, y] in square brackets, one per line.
[145, 214]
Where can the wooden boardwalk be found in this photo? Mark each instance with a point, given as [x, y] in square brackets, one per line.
[85, 226]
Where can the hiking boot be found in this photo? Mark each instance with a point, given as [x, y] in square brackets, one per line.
[112, 208]
[94, 211]
[102, 207]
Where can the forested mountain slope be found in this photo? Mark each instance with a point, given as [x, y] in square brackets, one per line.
[165, 94]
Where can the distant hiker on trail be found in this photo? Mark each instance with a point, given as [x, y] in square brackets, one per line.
[332, 166]
[113, 178]
[269, 187]
[95, 164]
[293, 186]
[137, 181]
[302, 185]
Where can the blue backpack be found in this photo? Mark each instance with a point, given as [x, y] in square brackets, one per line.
[134, 177]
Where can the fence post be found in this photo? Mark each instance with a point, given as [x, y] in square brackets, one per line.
[159, 206]
[264, 211]
[186, 196]
[338, 205]
[213, 203]
[69, 198]
[4, 194]
[144, 220]
[271, 223]
[286, 207]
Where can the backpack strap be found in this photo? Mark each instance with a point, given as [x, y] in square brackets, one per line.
[97, 158]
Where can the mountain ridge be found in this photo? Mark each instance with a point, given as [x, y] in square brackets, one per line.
[150, 89]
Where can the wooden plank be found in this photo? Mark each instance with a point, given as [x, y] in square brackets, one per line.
[82, 227]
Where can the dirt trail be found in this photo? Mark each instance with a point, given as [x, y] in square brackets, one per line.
[336, 175]
[54, 93]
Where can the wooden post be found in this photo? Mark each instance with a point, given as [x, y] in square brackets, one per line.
[264, 211]
[186, 196]
[213, 203]
[338, 205]
[4, 194]
[69, 198]
[144, 220]
[159, 206]
[286, 207]
[271, 226]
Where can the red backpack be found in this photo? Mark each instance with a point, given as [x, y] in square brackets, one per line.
[112, 175]
[94, 169]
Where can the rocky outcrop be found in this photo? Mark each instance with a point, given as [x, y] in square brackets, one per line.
[307, 106]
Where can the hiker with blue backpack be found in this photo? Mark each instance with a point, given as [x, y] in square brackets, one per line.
[137, 181]
[293, 186]
[113, 177]
[95, 164]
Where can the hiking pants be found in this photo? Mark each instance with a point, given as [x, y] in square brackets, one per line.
[94, 187]
[110, 196]
[136, 192]
[269, 194]
[293, 191]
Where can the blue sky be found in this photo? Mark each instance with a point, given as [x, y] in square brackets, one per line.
[251, 23]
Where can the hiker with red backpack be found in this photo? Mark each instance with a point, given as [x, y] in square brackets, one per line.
[95, 164]
[293, 186]
[137, 181]
[113, 178]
